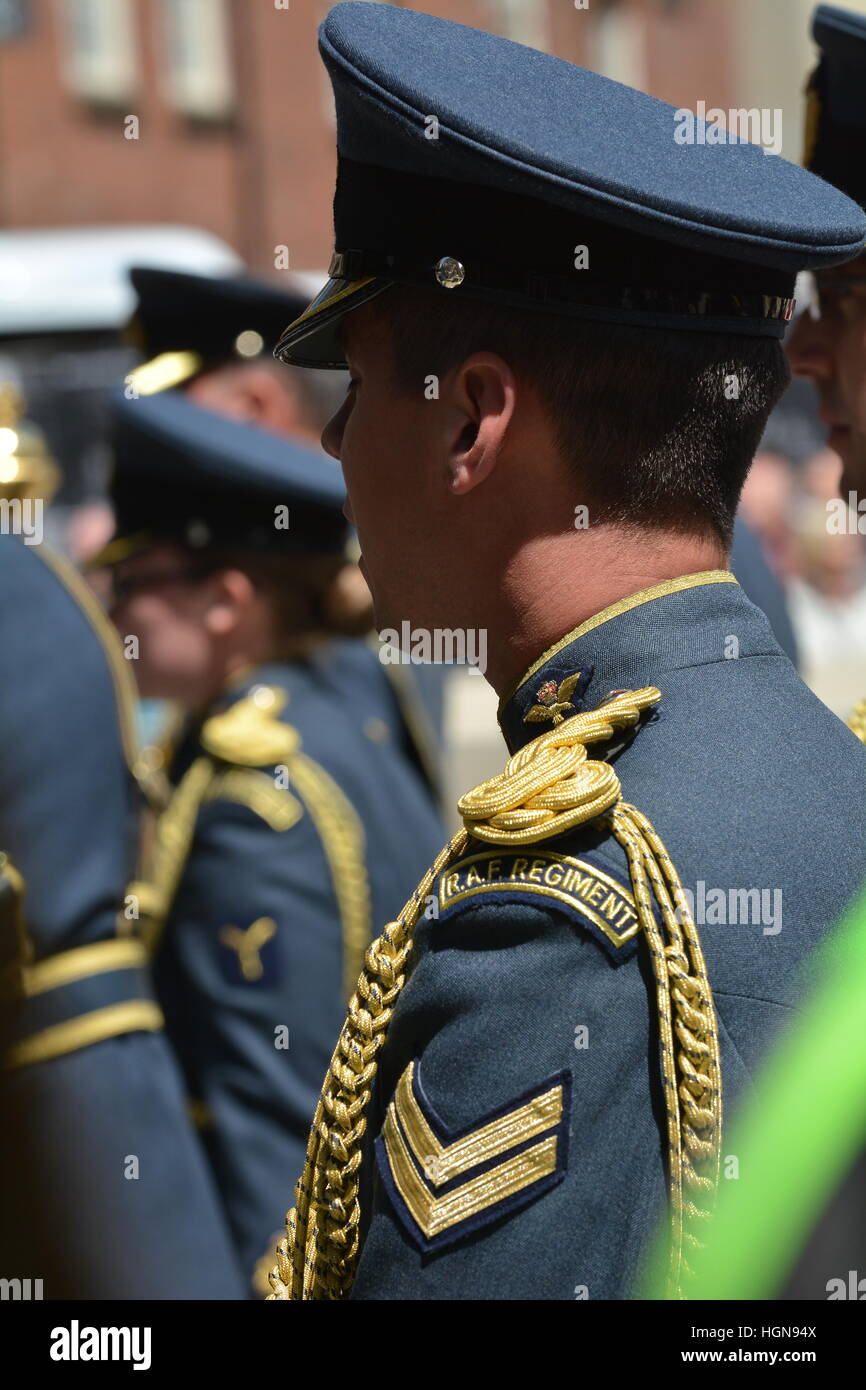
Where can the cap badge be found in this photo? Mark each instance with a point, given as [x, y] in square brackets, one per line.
[552, 701]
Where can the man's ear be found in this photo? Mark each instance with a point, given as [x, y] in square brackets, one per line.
[481, 406]
[232, 595]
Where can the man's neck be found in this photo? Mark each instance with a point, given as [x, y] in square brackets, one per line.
[557, 582]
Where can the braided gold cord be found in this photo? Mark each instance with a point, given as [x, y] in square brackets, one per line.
[626, 834]
[174, 836]
[857, 720]
[691, 1070]
[317, 1260]
[547, 787]
[342, 836]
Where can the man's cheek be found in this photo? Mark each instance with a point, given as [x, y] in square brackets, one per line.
[355, 443]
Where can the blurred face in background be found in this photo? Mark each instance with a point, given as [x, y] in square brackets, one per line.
[249, 393]
[283, 400]
[767, 502]
[190, 629]
[828, 345]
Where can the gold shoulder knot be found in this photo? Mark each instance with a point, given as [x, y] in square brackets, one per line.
[251, 733]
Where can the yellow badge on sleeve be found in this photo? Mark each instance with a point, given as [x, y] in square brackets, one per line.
[446, 1183]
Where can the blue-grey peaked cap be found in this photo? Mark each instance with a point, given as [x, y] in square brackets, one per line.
[533, 157]
[185, 474]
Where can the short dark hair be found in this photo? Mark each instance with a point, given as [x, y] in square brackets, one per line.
[659, 426]
[310, 597]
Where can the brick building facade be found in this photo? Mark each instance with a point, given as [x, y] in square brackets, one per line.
[218, 112]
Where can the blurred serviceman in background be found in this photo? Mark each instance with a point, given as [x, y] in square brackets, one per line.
[104, 1190]
[297, 818]
[828, 343]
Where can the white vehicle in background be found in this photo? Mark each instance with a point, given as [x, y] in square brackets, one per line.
[65, 299]
[75, 280]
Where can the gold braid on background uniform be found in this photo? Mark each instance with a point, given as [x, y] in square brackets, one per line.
[235, 744]
[548, 787]
[857, 720]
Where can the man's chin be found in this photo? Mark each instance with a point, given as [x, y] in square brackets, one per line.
[384, 608]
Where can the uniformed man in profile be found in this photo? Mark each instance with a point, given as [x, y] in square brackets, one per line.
[551, 311]
[213, 338]
[828, 342]
[296, 816]
[104, 1189]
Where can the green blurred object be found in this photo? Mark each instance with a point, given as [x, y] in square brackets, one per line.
[795, 1138]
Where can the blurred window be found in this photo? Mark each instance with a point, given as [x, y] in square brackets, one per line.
[198, 68]
[524, 21]
[618, 44]
[99, 56]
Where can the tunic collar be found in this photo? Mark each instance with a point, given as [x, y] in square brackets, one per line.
[632, 643]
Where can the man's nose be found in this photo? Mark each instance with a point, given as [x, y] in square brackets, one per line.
[332, 434]
[809, 348]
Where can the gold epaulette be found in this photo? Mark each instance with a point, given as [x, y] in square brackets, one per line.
[236, 746]
[251, 733]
